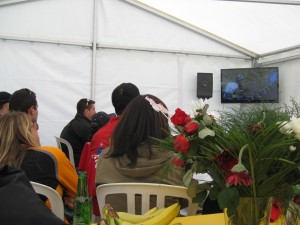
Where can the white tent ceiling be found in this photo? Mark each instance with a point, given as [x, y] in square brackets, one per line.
[262, 27]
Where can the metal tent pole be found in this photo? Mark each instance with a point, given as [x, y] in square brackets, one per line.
[94, 49]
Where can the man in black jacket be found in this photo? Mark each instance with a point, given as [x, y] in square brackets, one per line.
[19, 204]
[78, 131]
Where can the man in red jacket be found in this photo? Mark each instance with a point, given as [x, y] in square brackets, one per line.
[121, 96]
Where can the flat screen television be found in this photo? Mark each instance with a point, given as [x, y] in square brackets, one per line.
[250, 85]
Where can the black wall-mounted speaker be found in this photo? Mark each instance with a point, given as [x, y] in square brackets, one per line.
[204, 85]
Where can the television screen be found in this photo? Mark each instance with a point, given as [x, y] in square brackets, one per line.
[250, 85]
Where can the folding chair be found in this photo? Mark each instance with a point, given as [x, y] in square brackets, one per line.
[60, 141]
[145, 190]
[56, 202]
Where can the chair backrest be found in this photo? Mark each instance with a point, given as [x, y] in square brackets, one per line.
[60, 141]
[56, 202]
[145, 190]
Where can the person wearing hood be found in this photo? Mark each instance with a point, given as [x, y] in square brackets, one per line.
[134, 155]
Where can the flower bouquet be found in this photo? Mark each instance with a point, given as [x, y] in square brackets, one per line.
[251, 152]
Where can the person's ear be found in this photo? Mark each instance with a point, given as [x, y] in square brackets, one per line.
[31, 110]
[86, 111]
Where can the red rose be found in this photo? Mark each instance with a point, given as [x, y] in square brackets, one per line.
[275, 212]
[178, 162]
[226, 161]
[181, 143]
[238, 178]
[191, 127]
[180, 118]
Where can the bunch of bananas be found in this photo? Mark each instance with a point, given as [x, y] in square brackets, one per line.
[154, 216]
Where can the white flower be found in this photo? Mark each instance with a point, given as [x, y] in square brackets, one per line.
[292, 148]
[198, 105]
[205, 132]
[297, 136]
[291, 127]
[285, 127]
[295, 124]
[174, 131]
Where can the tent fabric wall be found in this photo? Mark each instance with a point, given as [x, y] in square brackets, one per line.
[289, 81]
[61, 74]
[58, 20]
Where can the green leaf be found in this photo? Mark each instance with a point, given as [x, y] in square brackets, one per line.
[187, 178]
[200, 197]
[205, 132]
[192, 188]
[228, 198]
[213, 193]
[204, 186]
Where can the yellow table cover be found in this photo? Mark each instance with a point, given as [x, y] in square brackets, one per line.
[210, 219]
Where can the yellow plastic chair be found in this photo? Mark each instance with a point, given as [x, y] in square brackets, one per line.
[145, 190]
[60, 141]
[57, 206]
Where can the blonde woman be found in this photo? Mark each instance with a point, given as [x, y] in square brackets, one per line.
[20, 148]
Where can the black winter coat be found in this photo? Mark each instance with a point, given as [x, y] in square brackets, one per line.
[19, 204]
[77, 133]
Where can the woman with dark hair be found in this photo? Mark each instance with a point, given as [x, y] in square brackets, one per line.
[134, 155]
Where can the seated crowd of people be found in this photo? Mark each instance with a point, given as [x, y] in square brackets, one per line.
[111, 148]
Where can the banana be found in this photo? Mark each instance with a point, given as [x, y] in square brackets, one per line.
[133, 218]
[154, 216]
[149, 212]
[105, 211]
[109, 214]
[111, 221]
[163, 218]
[103, 222]
[119, 221]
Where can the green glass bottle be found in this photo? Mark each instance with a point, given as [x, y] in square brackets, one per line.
[82, 202]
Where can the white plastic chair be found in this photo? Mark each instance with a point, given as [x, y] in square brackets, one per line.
[60, 141]
[145, 190]
[57, 206]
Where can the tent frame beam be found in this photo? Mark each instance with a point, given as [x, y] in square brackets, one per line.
[45, 41]
[296, 47]
[170, 51]
[97, 46]
[270, 62]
